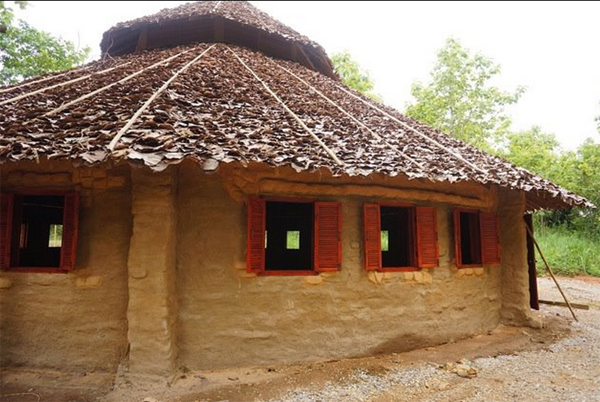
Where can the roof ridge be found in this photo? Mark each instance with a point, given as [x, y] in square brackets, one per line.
[287, 109]
[74, 80]
[121, 81]
[414, 130]
[216, 6]
[137, 114]
[361, 124]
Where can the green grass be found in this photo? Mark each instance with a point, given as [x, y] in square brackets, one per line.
[567, 252]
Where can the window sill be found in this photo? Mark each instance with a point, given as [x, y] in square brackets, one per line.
[37, 270]
[288, 273]
[399, 269]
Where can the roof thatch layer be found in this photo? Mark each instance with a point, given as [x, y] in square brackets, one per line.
[216, 103]
[233, 22]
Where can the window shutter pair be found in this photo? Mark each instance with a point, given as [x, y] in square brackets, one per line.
[327, 236]
[69, 236]
[489, 238]
[426, 236]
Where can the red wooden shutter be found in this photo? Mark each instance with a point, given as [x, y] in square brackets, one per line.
[427, 245]
[457, 245]
[372, 233]
[490, 244]
[6, 212]
[68, 249]
[255, 248]
[328, 236]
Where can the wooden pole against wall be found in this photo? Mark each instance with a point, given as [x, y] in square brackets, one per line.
[551, 273]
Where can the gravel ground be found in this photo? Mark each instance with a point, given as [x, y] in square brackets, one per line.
[568, 370]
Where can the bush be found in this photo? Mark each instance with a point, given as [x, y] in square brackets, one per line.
[567, 252]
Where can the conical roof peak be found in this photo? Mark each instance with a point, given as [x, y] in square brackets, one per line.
[234, 22]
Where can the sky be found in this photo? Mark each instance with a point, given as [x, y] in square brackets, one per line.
[551, 48]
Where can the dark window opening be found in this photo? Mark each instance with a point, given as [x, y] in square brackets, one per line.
[289, 236]
[397, 242]
[37, 231]
[470, 239]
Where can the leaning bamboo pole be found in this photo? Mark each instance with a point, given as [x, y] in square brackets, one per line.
[551, 273]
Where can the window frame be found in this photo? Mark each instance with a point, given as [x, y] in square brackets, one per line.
[412, 236]
[489, 238]
[70, 231]
[415, 234]
[256, 227]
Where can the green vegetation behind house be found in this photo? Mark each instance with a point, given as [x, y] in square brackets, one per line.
[567, 252]
[461, 100]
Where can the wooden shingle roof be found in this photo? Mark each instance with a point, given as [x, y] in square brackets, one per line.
[232, 22]
[218, 103]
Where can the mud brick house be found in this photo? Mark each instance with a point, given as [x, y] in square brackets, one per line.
[209, 195]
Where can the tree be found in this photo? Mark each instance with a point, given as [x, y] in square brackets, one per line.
[7, 15]
[27, 52]
[534, 150]
[353, 75]
[588, 171]
[581, 174]
[460, 100]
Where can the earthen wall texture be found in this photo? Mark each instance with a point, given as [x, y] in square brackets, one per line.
[187, 301]
[74, 321]
[515, 274]
[152, 308]
[228, 317]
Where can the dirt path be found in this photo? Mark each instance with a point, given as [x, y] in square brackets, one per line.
[558, 363]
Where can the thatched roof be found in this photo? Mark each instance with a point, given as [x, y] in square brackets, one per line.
[232, 22]
[219, 103]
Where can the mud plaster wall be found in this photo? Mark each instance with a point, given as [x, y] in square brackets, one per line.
[74, 321]
[515, 274]
[152, 306]
[230, 318]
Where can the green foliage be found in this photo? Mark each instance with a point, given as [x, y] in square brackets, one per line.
[597, 120]
[577, 171]
[353, 75]
[583, 177]
[6, 13]
[293, 240]
[588, 158]
[533, 150]
[28, 52]
[460, 100]
[567, 252]
[385, 240]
